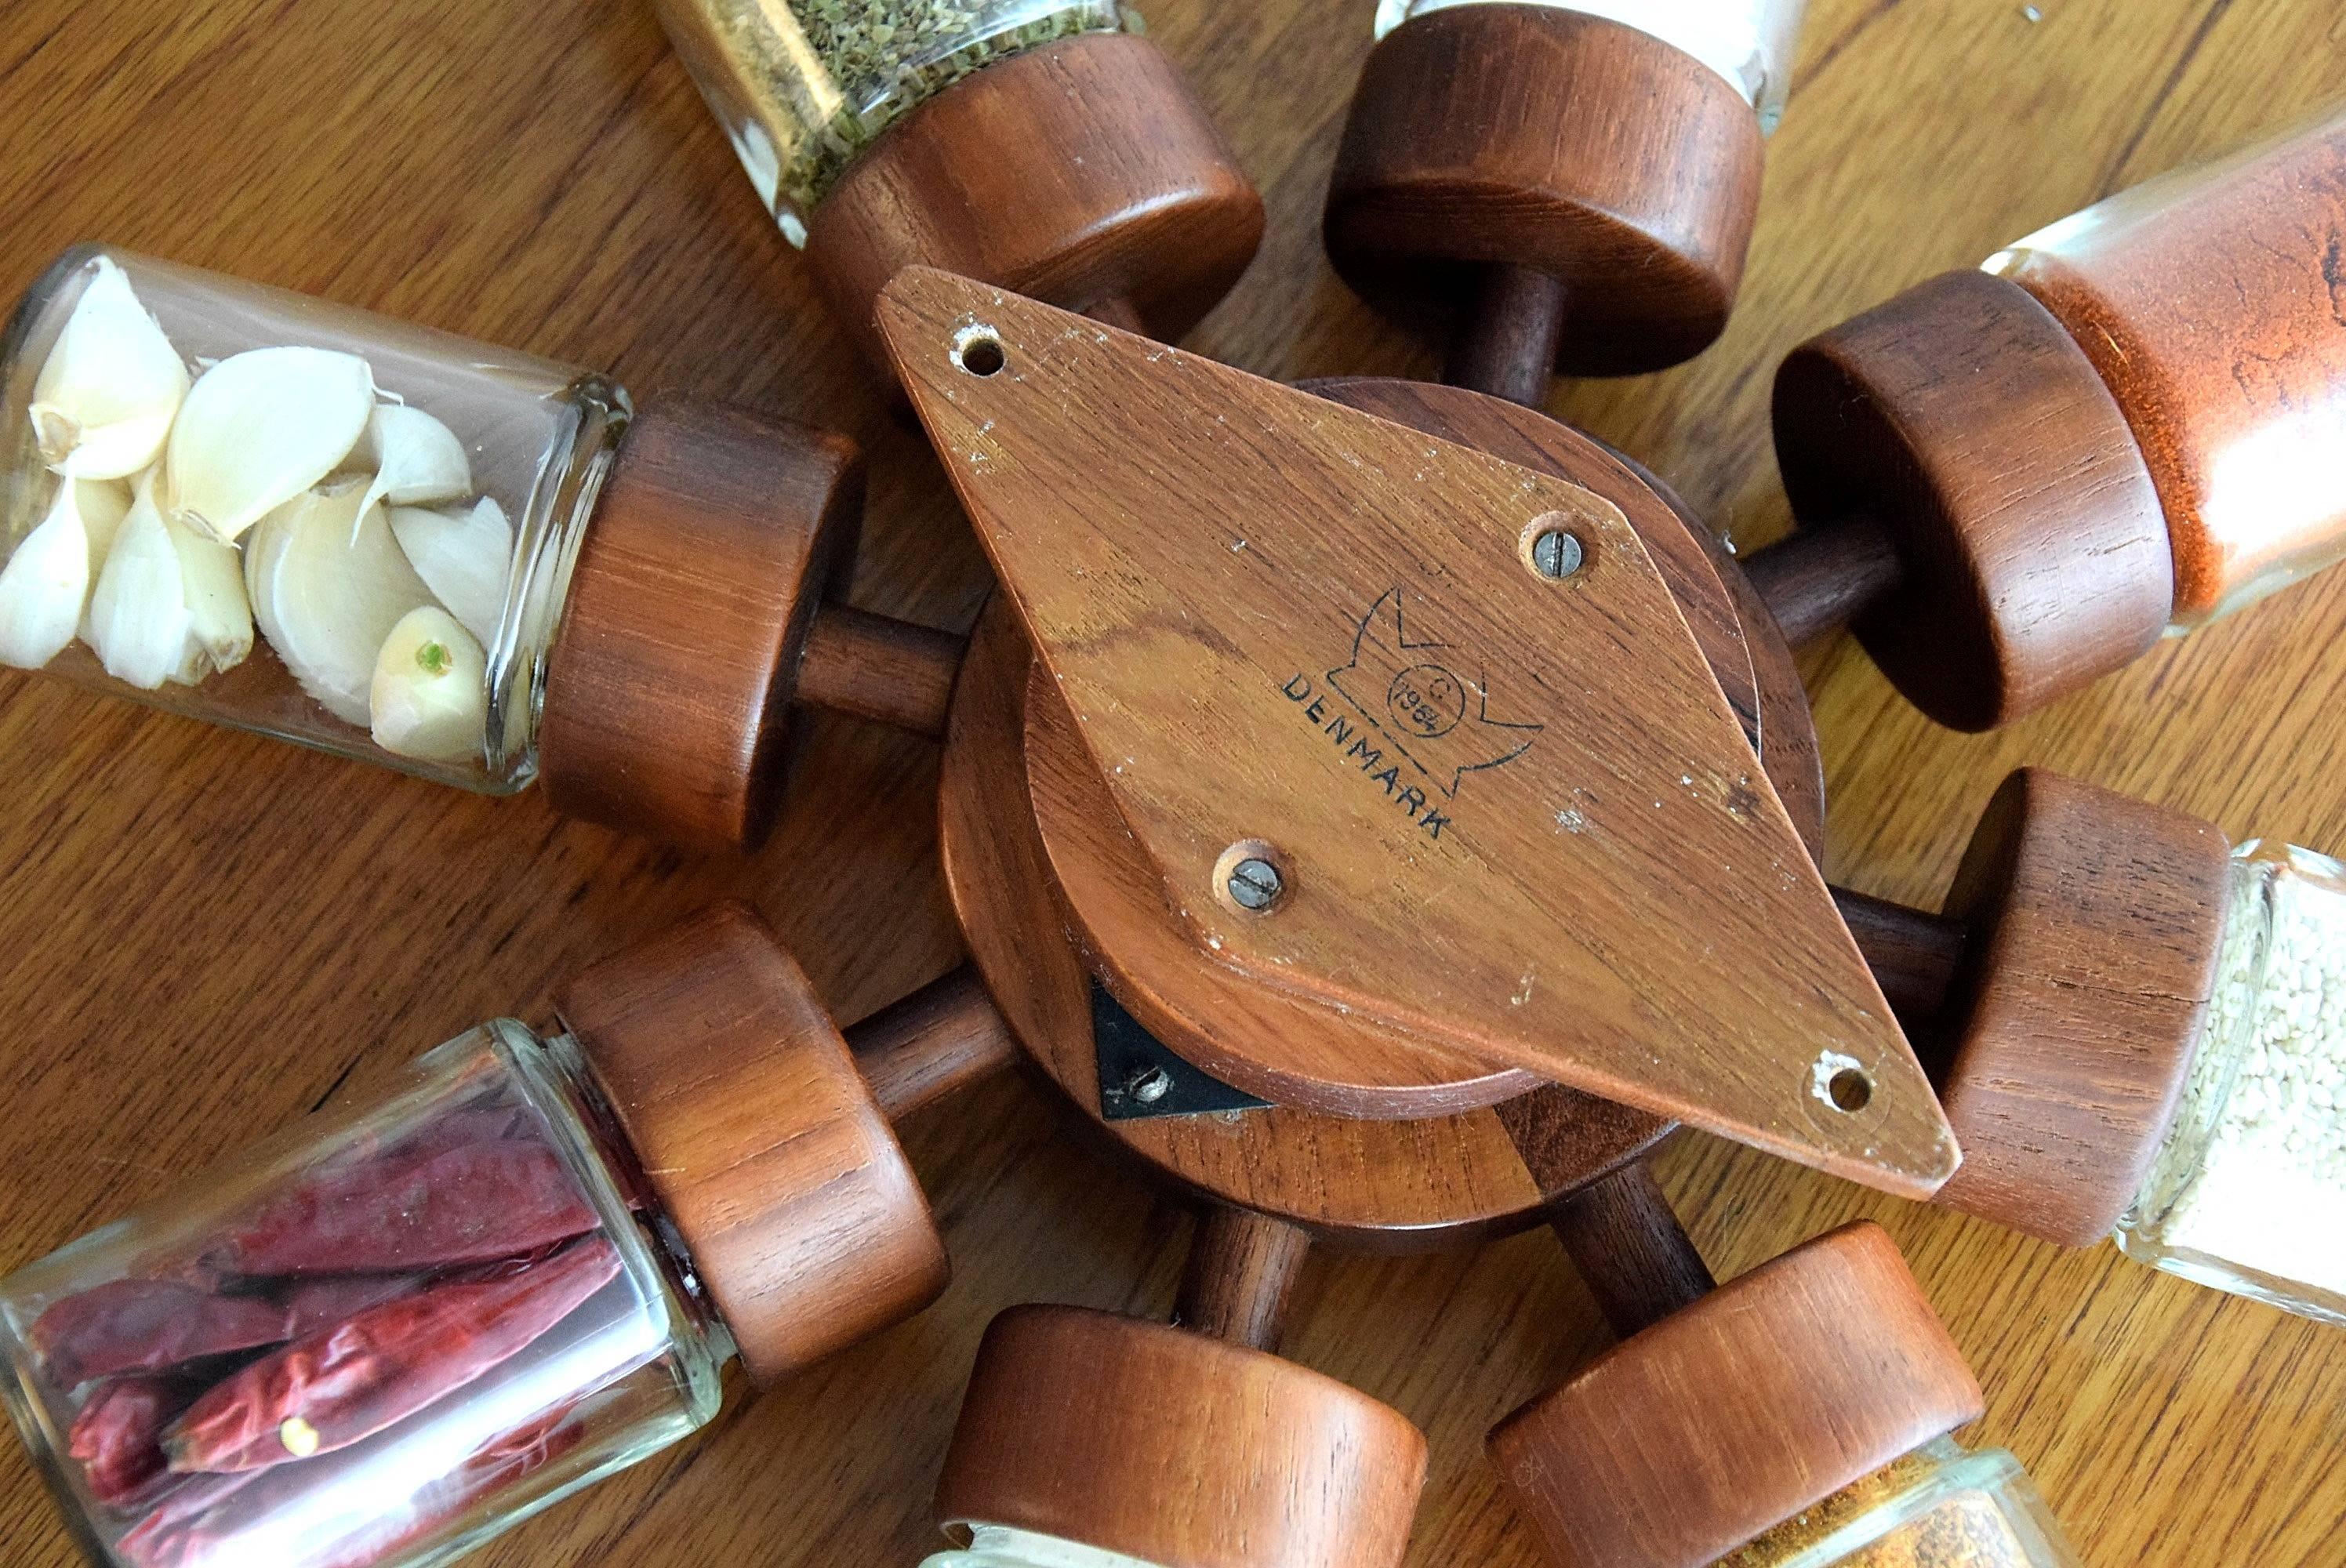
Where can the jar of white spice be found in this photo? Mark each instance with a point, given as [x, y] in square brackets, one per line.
[2146, 1039]
[2248, 1193]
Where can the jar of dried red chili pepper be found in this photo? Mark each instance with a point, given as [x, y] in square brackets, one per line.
[2127, 422]
[391, 1333]
[468, 563]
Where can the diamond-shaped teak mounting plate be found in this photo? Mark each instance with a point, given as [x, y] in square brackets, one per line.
[1512, 814]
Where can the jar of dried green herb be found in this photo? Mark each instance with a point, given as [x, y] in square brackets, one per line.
[1043, 145]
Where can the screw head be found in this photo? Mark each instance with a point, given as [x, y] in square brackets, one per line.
[1255, 884]
[1149, 1084]
[1557, 554]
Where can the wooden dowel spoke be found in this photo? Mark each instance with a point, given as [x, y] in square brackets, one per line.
[1240, 1277]
[1815, 581]
[1506, 345]
[1119, 313]
[876, 668]
[1627, 1242]
[1913, 955]
[940, 1038]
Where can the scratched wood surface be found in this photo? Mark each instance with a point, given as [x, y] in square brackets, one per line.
[206, 935]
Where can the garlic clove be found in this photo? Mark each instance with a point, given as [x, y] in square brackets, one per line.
[45, 585]
[417, 460]
[105, 396]
[464, 557]
[138, 612]
[259, 428]
[219, 618]
[430, 698]
[104, 504]
[328, 584]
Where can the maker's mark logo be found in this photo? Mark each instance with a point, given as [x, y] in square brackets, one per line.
[1417, 723]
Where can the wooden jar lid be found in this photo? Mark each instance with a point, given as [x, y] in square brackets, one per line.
[669, 687]
[1563, 143]
[1965, 419]
[758, 1137]
[2097, 921]
[1179, 1450]
[1083, 172]
[1733, 1415]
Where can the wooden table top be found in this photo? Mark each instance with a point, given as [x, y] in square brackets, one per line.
[209, 934]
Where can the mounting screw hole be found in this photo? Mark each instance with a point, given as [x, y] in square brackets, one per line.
[978, 351]
[1850, 1089]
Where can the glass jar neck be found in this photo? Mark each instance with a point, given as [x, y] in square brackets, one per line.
[2226, 1033]
[557, 1074]
[1001, 1546]
[547, 537]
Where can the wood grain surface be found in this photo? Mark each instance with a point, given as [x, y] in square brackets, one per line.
[206, 935]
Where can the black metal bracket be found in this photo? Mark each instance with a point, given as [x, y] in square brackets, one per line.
[1140, 1076]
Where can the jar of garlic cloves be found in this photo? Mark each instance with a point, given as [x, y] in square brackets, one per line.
[2149, 1042]
[1751, 43]
[392, 1333]
[297, 518]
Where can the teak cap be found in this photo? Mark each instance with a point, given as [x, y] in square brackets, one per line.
[1723, 1420]
[1567, 144]
[1181, 1450]
[1962, 418]
[1084, 172]
[668, 690]
[759, 1138]
[2097, 922]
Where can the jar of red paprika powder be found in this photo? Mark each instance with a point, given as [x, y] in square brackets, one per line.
[391, 1334]
[2125, 424]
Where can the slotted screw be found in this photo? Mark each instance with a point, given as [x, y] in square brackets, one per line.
[1255, 884]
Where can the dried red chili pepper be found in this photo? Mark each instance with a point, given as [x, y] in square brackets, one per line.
[431, 1209]
[333, 1388]
[221, 1531]
[319, 1303]
[118, 1434]
[146, 1326]
[169, 1536]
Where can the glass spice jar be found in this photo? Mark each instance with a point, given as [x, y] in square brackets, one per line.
[2246, 1192]
[2210, 301]
[1798, 1416]
[1751, 43]
[1941, 1506]
[252, 507]
[802, 87]
[391, 1334]
[293, 517]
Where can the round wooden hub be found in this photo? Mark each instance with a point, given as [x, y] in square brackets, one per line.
[1453, 1153]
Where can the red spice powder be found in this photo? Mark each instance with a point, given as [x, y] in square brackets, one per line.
[2213, 302]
